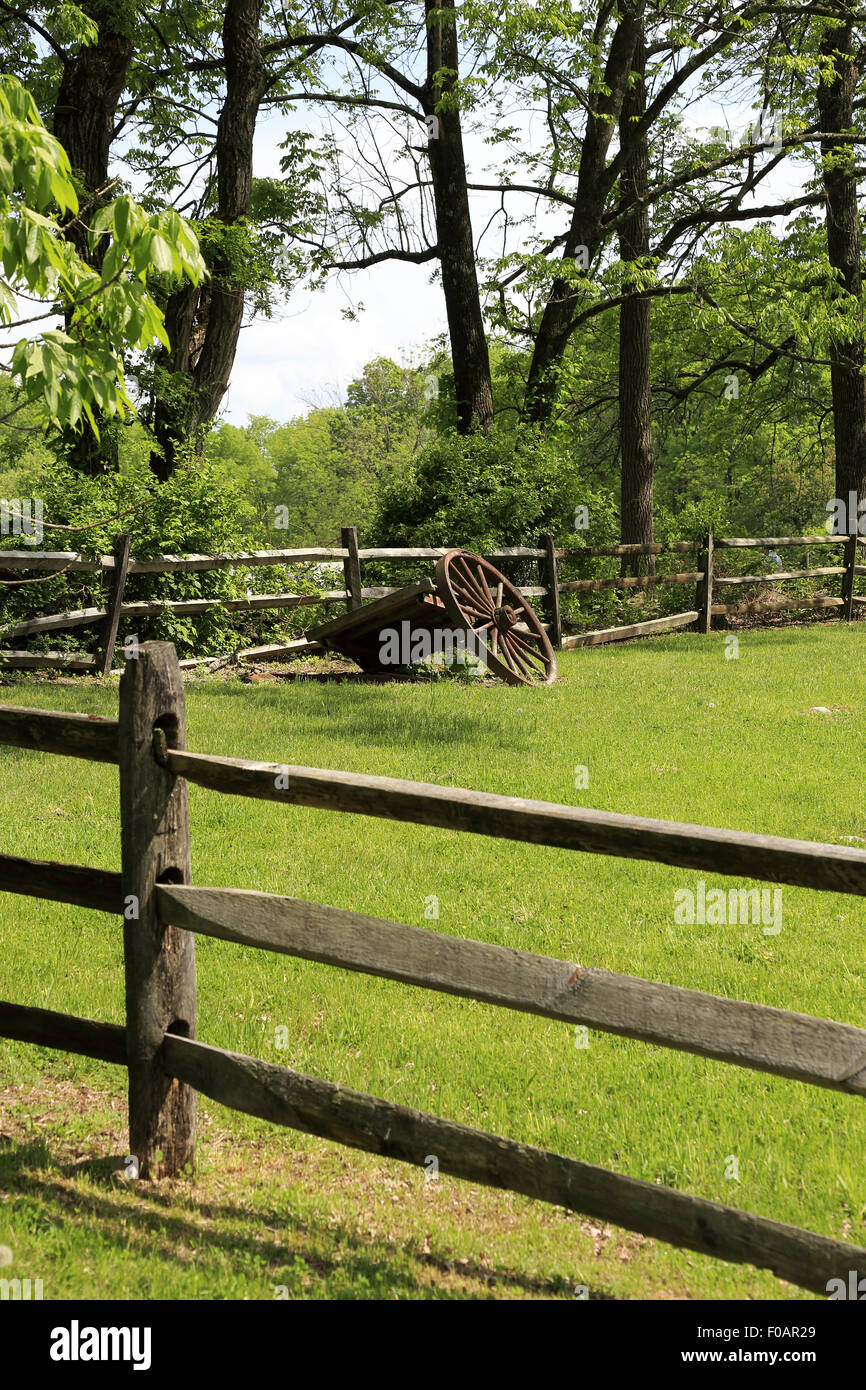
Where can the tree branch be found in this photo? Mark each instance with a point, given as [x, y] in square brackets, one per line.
[62, 53]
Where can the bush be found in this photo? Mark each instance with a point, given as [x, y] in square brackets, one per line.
[195, 511]
[479, 493]
[484, 494]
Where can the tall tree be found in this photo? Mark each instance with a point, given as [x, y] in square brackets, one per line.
[171, 91]
[204, 322]
[409, 61]
[78, 373]
[840, 50]
[585, 236]
[635, 391]
[85, 114]
[472, 385]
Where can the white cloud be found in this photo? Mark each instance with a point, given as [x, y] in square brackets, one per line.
[312, 352]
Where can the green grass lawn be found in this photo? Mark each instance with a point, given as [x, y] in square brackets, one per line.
[667, 728]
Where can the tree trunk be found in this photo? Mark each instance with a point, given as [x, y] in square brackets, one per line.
[635, 399]
[204, 324]
[835, 105]
[469, 354]
[584, 236]
[85, 115]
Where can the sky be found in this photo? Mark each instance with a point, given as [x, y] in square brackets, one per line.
[310, 353]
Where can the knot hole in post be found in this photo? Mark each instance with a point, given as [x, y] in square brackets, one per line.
[165, 736]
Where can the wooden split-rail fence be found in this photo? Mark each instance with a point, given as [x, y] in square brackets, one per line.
[704, 581]
[161, 912]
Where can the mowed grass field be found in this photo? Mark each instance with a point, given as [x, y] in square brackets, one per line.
[770, 742]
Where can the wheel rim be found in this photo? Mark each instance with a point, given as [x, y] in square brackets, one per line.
[482, 600]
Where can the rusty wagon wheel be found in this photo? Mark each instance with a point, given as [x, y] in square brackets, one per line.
[479, 598]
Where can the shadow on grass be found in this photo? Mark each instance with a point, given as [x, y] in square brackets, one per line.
[370, 716]
[158, 1223]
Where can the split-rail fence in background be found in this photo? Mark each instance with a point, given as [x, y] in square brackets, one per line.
[161, 911]
[703, 581]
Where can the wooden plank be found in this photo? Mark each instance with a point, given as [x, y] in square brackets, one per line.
[814, 1050]
[514, 552]
[629, 548]
[373, 613]
[52, 560]
[763, 542]
[191, 661]
[189, 607]
[279, 651]
[549, 575]
[394, 1131]
[435, 552]
[68, 1032]
[249, 559]
[836, 868]
[408, 552]
[860, 569]
[619, 634]
[764, 606]
[49, 661]
[99, 889]
[383, 591]
[47, 731]
[351, 567]
[159, 960]
[777, 578]
[53, 622]
[118, 584]
[640, 581]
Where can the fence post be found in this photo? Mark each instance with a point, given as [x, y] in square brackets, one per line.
[115, 599]
[849, 561]
[548, 569]
[704, 593]
[159, 961]
[351, 567]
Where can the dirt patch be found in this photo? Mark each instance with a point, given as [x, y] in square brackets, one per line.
[459, 1239]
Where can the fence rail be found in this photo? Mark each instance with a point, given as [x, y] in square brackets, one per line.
[808, 1049]
[167, 1066]
[395, 1131]
[547, 557]
[835, 868]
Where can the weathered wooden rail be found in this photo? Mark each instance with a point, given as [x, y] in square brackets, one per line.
[162, 911]
[546, 556]
[707, 579]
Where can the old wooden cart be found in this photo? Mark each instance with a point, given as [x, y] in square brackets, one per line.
[470, 607]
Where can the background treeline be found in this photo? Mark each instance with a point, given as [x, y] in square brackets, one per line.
[649, 315]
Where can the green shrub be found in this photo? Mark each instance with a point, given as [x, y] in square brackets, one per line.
[479, 493]
[484, 494]
[196, 512]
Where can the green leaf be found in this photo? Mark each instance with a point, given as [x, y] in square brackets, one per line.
[163, 256]
[121, 217]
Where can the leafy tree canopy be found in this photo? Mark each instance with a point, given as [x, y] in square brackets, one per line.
[106, 309]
